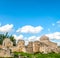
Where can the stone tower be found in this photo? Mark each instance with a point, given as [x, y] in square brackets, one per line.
[51, 45]
[29, 47]
[36, 46]
[43, 48]
[21, 46]
[7, 43]
[46, 40]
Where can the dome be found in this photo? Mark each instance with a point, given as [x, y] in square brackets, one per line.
[44, 37]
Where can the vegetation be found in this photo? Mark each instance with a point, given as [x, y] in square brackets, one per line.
[37, 55]
[3, 36]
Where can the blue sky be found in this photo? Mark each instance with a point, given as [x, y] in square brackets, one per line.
[20, 13]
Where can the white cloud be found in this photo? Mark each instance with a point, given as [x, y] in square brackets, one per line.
[27, 39]
[0, 24]
[36, 38]
[18, 37]
[53, 24]
[30, 29]
[48, 30]
[33, 38]
[58, 43]
[55, 35]
[26, 42]
[6, 28]
[58, 22]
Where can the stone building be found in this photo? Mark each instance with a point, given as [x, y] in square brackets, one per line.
[5, 48]
[36, 46]
[21, 46]
[7, 43]
[29, 47]
[43, 48]
[52, 47]
[46, 40]
[44, 45]
[14, 49]
[5, 53]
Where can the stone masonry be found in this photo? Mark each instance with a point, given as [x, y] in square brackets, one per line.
[44, 45]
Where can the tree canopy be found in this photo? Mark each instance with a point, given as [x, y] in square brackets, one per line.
[3, 36]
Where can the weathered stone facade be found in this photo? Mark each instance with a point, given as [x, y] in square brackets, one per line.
[36, 46]
[5, 53]
[21, 46]
[7, 43]
[29, 47]
[5, 48]
[52, 47]
[45, 40]
[44, 45]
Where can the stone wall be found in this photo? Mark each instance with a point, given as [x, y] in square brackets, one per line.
[36, 46]
[21, 46]
[7, 43]
[42, 46]
[5, 53]
[29, 47]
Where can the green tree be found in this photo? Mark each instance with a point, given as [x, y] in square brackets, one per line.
[3, 36]
[13, 40]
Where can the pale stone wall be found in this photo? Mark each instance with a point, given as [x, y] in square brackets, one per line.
[52, 47]
[44, 46]
[21, 46]
[5, 53]
[14, 49]
[0, 46]
[29, 47]
[36, 46]
[7, 43]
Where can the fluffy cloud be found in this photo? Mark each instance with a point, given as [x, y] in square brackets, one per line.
[27, 39]
[58, 43]
[48, 30]
[30, 29]
[55, 35]
[6, 28]
[33, 38]
[0, 24]
[53, 24]
[58, 22]
[18, 37]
